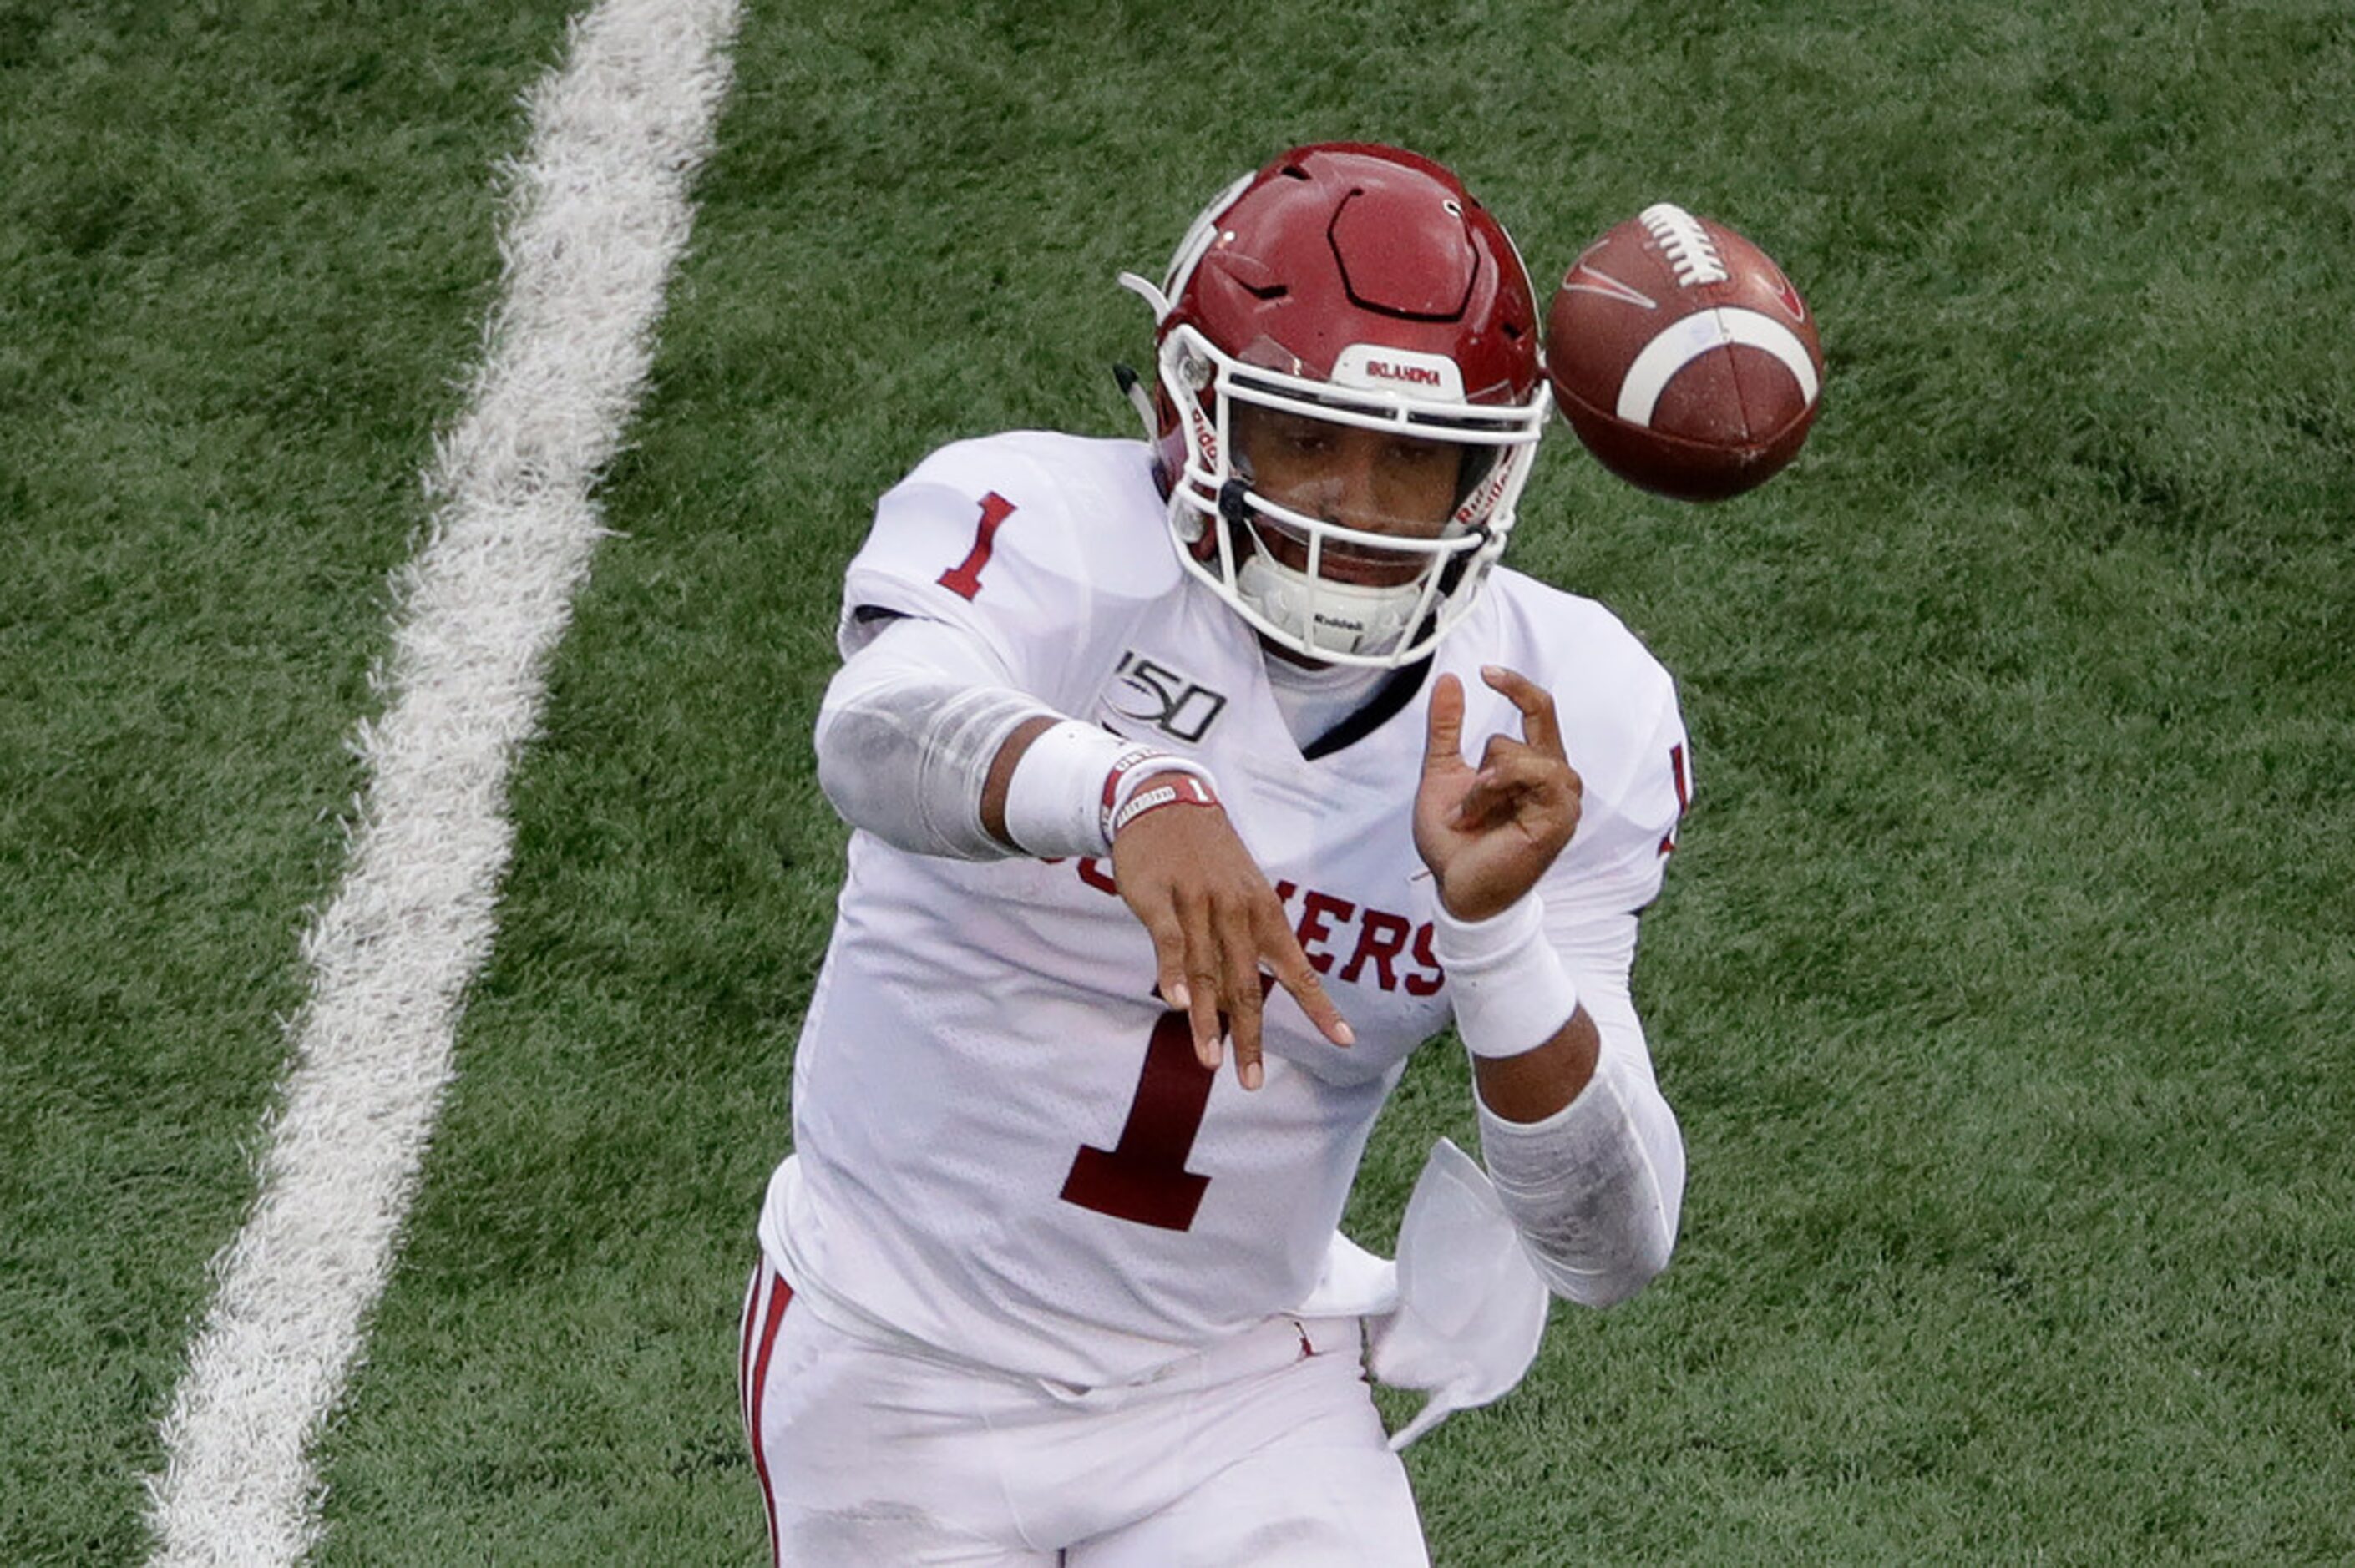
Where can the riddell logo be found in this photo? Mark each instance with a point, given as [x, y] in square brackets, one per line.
[1205, 442]
[1418, 374]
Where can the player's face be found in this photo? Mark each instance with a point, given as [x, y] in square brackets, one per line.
[1377, 481]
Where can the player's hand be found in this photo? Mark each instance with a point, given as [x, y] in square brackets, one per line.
[1214, 921]
[1488, 833]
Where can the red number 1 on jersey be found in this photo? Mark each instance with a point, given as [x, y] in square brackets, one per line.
[964, 579]
[1142, 1178]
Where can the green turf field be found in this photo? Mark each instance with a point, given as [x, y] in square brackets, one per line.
[2001, 980]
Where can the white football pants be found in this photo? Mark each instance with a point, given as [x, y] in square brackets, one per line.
[1267, 1451]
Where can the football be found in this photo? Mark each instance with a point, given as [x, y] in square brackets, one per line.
[1681, 355]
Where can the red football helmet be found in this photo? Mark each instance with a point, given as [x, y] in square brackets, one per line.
[1357, 286]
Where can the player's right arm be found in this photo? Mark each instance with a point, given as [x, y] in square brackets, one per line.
[1198, 892]
[915, 751]
[941, 736]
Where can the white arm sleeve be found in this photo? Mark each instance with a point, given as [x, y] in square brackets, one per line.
[1595, 1189]
[908, 730]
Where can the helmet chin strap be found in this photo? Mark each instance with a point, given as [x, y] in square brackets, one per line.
[1132, 387]
[1234, 503]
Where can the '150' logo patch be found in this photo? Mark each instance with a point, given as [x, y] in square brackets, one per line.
[1157, 694]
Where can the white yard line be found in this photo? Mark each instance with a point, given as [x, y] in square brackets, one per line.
[600, 216]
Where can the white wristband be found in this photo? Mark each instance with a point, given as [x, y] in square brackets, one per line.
[1055, 801]
[1510, 991]
[1071, 783]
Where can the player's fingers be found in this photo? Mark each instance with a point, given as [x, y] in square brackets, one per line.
[1483, 807]
[1443, 744]
[1510, 766]
[1202, 979]
[1486, 807]
[1501, 748]
[1168, 956]
[1513, 779]
[1540, 797]
[1202, 1019]
[1541, 726]
[1242, 989]
[1280, 950]
[1494, 781]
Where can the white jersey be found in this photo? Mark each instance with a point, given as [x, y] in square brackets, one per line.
[1006, 1149]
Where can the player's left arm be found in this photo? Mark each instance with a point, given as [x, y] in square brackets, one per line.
[1583, 1148]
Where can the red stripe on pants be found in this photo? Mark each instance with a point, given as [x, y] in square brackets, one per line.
[754, 1361]
[745, 1325]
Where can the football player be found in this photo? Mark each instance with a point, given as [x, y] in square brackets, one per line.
[1196, 781]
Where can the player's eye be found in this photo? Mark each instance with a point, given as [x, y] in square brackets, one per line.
[1419, 454]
